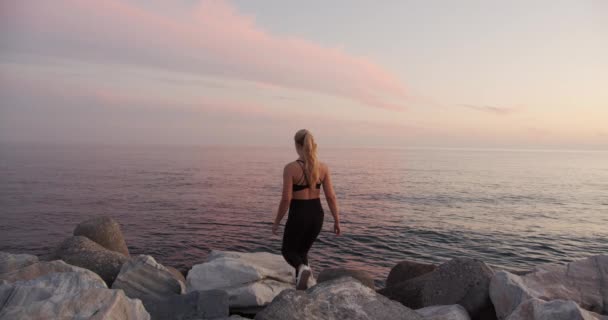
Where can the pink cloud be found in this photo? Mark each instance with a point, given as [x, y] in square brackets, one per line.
[213, 38]
[42, 92]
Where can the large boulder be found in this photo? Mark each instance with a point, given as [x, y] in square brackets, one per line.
[583, 281]
[68, 295]
[209, 304]
[342, 298]
[536, 309]
[43, 268]
[10, 262]
[406, 270]
[451, 312]
[82, 252]
[460, 281]
[251, 280]
[335, 273]
[143, 276]
[105, 231]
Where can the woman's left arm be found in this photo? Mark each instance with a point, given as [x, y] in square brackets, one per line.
[285, 199]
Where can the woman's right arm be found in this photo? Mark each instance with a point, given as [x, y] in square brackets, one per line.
[285, 199]
[332, 202]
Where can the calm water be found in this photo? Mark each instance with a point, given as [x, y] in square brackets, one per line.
[514, 209]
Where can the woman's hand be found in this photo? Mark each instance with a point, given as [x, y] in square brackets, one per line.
[275, 228]
[337, 228]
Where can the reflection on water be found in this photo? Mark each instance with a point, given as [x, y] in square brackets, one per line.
[509, 208]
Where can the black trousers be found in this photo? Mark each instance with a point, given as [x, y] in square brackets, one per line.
[303, 225]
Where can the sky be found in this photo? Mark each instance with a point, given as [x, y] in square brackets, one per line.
[482, 74]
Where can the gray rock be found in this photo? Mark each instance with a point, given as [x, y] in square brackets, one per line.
[536, 309]
[105, 231]
[68, 295]
[584, 281]
[143, 276]
[335, 273]
[460, 281]
[209, 304]
[82, 252]
[43, 268]
[251, 279]
[342, 298]
[10, 262]
[406, 270]
[450, 312]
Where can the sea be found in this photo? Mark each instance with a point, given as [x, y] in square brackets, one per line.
[512, 209]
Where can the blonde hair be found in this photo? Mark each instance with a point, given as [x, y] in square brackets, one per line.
[309, 152]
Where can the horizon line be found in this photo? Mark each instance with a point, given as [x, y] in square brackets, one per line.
[333, 146]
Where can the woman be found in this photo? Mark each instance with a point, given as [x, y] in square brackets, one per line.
[305, 211]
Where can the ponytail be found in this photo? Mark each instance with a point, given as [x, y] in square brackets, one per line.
[309, 153]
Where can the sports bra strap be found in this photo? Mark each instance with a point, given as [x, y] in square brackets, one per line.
[303, 171]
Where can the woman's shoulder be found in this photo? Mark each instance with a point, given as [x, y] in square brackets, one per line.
[293, 165]
[323, 168]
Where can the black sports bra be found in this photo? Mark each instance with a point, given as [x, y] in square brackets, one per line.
[298, 187]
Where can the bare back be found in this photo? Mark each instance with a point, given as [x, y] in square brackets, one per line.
[298, 178]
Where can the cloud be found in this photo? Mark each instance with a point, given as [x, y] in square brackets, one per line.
[18, 92]
[489, 109]
[212, 39]
[36, 109]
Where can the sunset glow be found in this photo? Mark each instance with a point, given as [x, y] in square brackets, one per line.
[493, 74]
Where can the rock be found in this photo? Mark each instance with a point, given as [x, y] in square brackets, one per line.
[536, 309]
[82, 252]
[584, 281]
[334, 273]
[143, 276]
[10, 262]
[42, 268]
[451, 312]
[342, 298]
[68, 295]
[209, 304]
[105, 231]
[250, 279]
[460, 281]
[507, 291]
[177, 274]
[406, 270]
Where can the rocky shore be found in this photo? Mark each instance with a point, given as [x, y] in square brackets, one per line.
[93, 276]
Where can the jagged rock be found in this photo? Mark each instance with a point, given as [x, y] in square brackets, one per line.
[250, 279]
[536, 309]
[460, 281]
[584, 281]
[342, 298]
[406, 270]
[105, 231]
[82, 252]
[450, 312]
[335, 273]
[42, 268]
[67, 295]
[143, 276]
[209, 304]
[10, 262]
